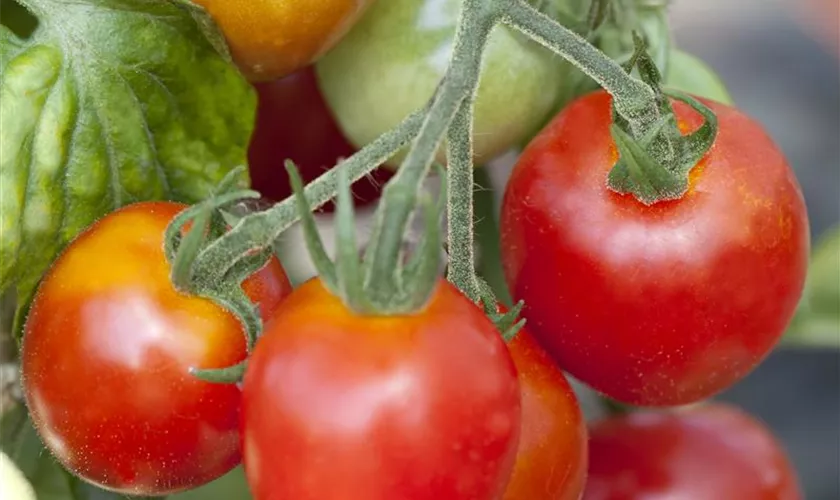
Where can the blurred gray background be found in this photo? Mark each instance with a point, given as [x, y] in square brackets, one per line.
[780, 61]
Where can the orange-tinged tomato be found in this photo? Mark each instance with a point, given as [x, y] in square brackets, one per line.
[342, 406]
[273, 38]
[552, 457]
[106, 355]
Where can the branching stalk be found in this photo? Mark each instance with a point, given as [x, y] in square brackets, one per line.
[399, 197]
[260, 230]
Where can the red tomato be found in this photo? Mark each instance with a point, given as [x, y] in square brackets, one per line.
[106, 353]
[552, 457]
[342, 406]
[293, 122]
[712, 452]
[654, 305]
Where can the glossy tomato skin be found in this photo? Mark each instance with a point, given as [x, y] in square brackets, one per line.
[711, 452]
[106, 354]
[341, 406]
[269, 39]
[654, 305]
[391, 62]
[293, 122]
[551, 460]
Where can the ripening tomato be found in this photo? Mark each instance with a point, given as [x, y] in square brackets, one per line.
[391, 62]
[106, 355]
[293, 122]
[342, 406]
[665, 304]
[269, 39]
[552, 457]
[710, 452]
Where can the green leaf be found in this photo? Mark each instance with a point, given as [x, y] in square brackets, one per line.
[817, 320]
[110, 102]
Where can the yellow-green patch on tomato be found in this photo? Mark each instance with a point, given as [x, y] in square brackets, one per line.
[391, 62]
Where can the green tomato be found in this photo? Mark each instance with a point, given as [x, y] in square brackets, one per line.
[690, 74]
[391, 62]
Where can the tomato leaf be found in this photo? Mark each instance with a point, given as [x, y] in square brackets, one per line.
[108, 103]
[817, 320]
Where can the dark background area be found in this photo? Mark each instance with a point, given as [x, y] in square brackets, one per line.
[781, 67]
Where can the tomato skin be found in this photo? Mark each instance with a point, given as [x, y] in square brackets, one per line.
[340, 406]
[551, 460]
[293, 122]
[709, 452]
[400, 49]
[106, 352]
[269, 39]
[654, 305]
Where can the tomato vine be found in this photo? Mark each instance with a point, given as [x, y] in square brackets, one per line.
[653, 155]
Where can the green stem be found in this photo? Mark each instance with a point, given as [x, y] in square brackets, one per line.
[460, 210]
[399, 198]
[634, 100]
[260, 230]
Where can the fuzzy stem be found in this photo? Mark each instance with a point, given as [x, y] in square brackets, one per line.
[634, 99]
[399, 198]
[261, 229]
[460, 210]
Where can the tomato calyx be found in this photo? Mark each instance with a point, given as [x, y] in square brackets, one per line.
[655, 162]
[206, 220]
[347, 277]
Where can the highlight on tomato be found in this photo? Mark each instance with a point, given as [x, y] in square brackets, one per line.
[269, 39]
[420, 406]
[662, 304]
[106, 357]
[708, 452]
[293, 122]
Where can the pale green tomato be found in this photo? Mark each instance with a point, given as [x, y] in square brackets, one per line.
[391, 62]
[690, 74]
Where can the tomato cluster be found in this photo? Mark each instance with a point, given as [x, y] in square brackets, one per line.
[650, 305]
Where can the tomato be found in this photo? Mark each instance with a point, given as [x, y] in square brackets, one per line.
[552, 456]
[342, 406]
[691, 74]
[711, 452]
[293, 122]
[269, 39]
[106, 354]
[654, 305]
[391, 62]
